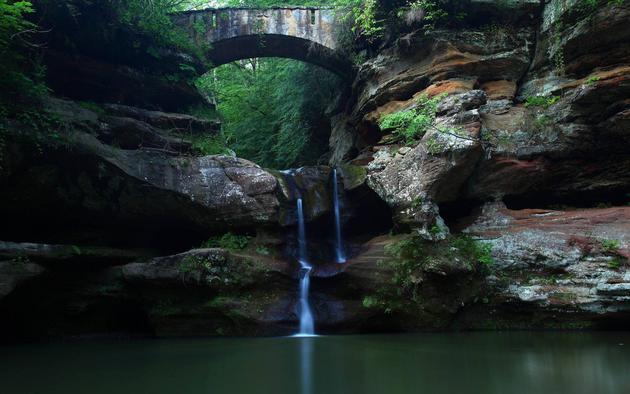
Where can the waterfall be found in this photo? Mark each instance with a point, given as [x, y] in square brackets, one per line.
[339, 252]
[306, 317]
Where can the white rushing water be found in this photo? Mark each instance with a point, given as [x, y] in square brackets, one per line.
[306, 316]
[339, 252]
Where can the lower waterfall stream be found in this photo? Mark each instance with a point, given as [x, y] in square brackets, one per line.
[306, 316]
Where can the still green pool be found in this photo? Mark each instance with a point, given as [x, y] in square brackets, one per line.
[502, 363]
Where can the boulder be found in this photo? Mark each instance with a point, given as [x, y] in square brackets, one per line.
[216, 268]
[14, 272]
[412, 179]
[147, 181]
[56, 255]
[216, 292]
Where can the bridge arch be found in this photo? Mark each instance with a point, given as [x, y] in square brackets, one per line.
[306, 34]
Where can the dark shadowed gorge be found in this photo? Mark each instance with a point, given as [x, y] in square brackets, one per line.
[175, 168]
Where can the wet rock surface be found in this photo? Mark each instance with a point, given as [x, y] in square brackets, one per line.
[14, 272]
[535, 165]
[568, 267]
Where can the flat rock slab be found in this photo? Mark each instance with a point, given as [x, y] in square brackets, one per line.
[46, 253]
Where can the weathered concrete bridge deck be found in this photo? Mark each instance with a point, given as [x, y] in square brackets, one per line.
[301, 33]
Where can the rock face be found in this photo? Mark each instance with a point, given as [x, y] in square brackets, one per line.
[208, 285]
[59, 254]
[545, 112]
[509, 212]
[121, 168]
[569, 269]
[84, 78]
[132, 165]
[14, 272]
[411, 180]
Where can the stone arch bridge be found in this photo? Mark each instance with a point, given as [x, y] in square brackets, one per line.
[301, 33]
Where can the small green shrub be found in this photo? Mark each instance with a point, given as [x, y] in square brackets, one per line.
[588, 4]
[541, 101]
[370, 302]
[615, 263]
[477, 251]
[433, 12]
[203, 112]
[90, 106]
[263, 250]
[398, 120]
[434, 146]
[20, 261]
[417, 202]
[412, 254]
[411, 125]
[610, 245]
[210, 145]
[542, 121]
[591, 80]
[484, 253]
[228, 241]
[199, 268]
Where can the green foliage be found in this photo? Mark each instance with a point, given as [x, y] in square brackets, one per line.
[370, 302]
[615, 263]
[542, 121]
[417, 202]
[610, 245]
[21, 73]
[397, 121]
[273, 110]
[263, 250]
[434, 146]
[365, 22]
[477, 251]
[20, 261]
[228, 241]
[591, 80]
[201, 268]
[90, 106]
[541, 101]
[433, 12]
[412, 125]
[588, 7]
[205, 145]
[32, 124]
[152, 17]
[412, 255]
[483, 253]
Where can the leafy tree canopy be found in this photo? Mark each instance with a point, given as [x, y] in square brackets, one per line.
[273, 110]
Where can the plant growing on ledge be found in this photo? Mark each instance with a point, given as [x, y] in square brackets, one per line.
[541, 101]
[610, 245]
[412, 258]
[429, 10]
[365, 22]
[411, 125]
[21, 79]
[205, 145]
[228, 241]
